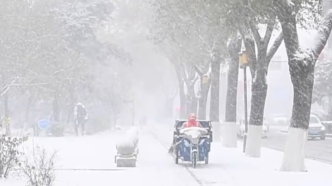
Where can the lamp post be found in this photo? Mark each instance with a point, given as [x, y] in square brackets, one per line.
[243, 59]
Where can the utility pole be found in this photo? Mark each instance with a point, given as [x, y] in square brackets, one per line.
[243, 59]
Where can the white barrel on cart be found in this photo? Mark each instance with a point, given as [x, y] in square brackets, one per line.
[132, 134]
[125, 146]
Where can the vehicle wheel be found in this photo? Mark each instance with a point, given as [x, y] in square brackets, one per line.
[322, 138]
[207, 159]
[209, 146]
[194, 160]
[176, 156]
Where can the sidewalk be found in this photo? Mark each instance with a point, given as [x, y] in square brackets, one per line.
[78, 159]
[89, 160]
[231, 167]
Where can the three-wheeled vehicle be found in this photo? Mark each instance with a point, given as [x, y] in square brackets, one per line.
[192, 144]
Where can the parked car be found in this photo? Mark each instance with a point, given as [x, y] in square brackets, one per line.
[279, 120]
[241, 128]
[316, 128]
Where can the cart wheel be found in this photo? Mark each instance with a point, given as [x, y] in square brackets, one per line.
[176, 157]
[207, 159]
[194, 160]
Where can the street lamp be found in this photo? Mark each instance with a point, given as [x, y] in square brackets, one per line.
[243, 59]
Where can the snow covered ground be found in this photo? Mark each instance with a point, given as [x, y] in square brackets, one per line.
[231, 167]
[89, 160]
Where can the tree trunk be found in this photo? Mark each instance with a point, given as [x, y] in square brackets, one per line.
[5, 101]
[71, 108]
[27, 112]
[191, 100]
[231, 97]
[258, 69]
[7, 117]
[203, 99]
[214, 97]
[297, 135]
[229, 131]
[56, 108]
[202, 108]
[182, 94]
[258, 97]
[301, 67]
[293, 159]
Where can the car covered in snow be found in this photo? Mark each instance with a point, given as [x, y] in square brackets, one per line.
[241, 128]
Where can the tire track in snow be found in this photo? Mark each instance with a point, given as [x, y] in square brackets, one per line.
[206, 179]
[186, 167]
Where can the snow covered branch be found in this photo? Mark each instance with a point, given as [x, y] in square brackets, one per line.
[252, 58]
[199, 72]
[274, 47]
[268, 33]
[285, 3]
[7, 87]
[234, 47]
[322, 35]
[255, 33]
[287, 17]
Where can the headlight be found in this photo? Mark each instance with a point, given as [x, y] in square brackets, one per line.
[323, 128]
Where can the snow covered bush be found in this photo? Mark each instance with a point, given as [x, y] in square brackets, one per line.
[39, 168]
[9, 153]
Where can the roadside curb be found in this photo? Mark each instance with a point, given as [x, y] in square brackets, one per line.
[326, 135]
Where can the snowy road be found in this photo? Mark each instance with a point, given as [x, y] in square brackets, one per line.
[320, 150]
